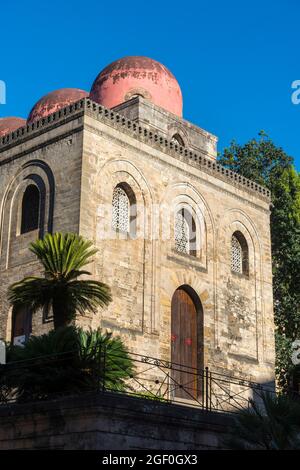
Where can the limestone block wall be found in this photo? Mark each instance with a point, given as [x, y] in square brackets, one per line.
[145, 272]
[52, 161]
[77, 158]
[167, 124]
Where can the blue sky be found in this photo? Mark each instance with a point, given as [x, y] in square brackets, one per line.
[235, 60]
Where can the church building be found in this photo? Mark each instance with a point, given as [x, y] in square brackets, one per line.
[183, 242]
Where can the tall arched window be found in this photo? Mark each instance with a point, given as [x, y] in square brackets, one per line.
[185, 232]
[239, 254]
[123, 209]
[30, 209]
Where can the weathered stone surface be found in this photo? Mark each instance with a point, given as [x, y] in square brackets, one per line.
[115, 422]
[88, 151]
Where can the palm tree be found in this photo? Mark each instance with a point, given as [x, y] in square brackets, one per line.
[272, 424]
[65, 361]
[62, 256]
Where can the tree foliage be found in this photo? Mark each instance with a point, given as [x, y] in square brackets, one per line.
[65, 361]
[262, 161]
[62, 257]
[271, 423]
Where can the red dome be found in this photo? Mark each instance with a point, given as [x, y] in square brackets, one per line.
[10, 124]
[132, 76]
[54, 101]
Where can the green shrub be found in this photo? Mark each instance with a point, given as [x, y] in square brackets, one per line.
[68, 360]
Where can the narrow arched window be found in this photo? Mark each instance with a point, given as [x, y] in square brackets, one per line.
[135, 95]
[21, 325]
[239, 254]
[120, 210]
[177, 140]
[185, 232]
[30, 209]
[123, 209]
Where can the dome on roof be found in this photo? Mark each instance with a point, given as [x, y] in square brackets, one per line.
[10, 124]
[54, 101]
[137, 76]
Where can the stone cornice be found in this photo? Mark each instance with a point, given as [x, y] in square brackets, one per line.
[23, 134]
[195, 176]
[34, 148]
[142, 133]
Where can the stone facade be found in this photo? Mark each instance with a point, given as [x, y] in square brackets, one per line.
[77, 156]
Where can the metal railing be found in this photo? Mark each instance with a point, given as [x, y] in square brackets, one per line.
[57, 375]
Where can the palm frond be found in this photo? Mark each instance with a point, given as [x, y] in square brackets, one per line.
[272, 423]
[62, 255]
[32, 292]
[67, 360]
[88, 295]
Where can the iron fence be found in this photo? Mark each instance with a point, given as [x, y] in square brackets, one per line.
[56, 375]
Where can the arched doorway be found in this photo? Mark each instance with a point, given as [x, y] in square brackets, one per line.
[186, 343]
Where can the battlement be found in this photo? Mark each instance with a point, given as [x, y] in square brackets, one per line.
[30, 130]
[142, 133]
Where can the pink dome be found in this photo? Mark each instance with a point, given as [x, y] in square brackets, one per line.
[54, 101]
[10, 124]
[132, 76]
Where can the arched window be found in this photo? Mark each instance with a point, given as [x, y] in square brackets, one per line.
[123, 209]
[178, 140]
[135, 95]
[30, 209]
[185, 232]
[239, 254]
[21, 325]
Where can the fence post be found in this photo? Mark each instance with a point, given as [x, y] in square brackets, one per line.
[210, 394]
[206, 388]
[99, 372]
[202, 387]
[104, 368]
[2, 352]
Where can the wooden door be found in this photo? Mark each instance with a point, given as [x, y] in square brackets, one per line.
[184, 346]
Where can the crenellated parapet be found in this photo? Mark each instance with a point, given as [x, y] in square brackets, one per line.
[134, 129]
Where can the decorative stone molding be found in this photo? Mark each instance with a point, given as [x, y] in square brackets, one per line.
[42, 125]
[113, 119]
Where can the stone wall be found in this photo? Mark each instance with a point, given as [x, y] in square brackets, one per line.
[144, 273]
[167, 124]
[54, 160]
[89, 150]
[110, 422]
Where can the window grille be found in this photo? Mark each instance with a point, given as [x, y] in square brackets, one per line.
[120, 210]
[236, 255]
[181, 233]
